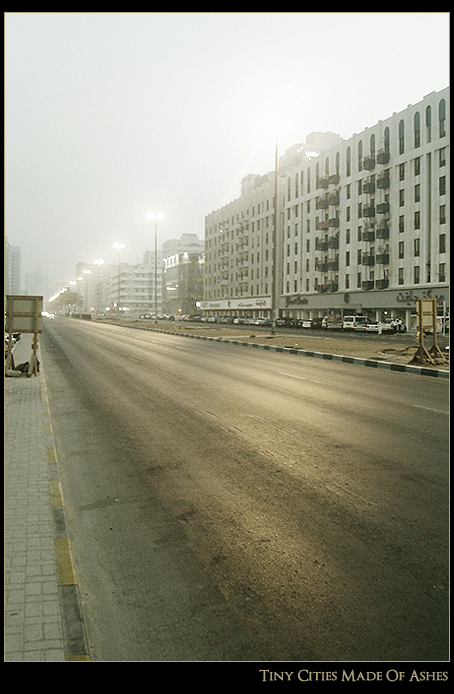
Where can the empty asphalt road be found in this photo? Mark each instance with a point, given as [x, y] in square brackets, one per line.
[232, 504]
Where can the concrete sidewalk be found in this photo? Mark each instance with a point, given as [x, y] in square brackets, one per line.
[43, 621]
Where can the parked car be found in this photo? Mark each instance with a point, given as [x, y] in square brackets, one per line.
[354, 322]
[371, 327]
[317, 323]
[305, 323]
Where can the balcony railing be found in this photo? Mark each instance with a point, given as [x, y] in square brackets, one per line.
[383, 157]
[383, 181]
[368, 211]
[367, 285]
[369, 187]
[383, 208]
[321, 203]
[382, 258]
[369, 236]
[322, 182]
[382, 232]
[381, 284]
[368, 260]
[369, 162]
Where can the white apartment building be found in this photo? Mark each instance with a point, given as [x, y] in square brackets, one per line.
[134, 289]
[363, 226]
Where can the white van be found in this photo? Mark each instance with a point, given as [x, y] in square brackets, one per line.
[354, 322]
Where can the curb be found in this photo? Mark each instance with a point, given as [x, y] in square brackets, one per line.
[389, 366]
[74, 638]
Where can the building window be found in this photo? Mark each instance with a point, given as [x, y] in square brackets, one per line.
[347, 281]
[429, 124]
[347, 258]
[442, 243]
[417, 193]
[441, 273]
[442, 185]
[417, 125]
[349, 156]
[401, 198]
[417, 166]
[442, 158]
[347, 236]
[416, 274]
[442, 117]
[401, 137]
[442, 214]
[401, 249]
[401, 276]
[417, 219]
[401, 172]
[416, 247]
[401, 224]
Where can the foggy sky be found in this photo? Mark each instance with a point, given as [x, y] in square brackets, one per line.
[110, 115]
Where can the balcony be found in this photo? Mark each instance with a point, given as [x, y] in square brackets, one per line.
[333, 198]
[369, 162]
[382, 258]
[383, 208]
[321, 267]
[334, 179]
[334, 222]
[332, 287]
[368, 260]
[321, 245]
[369, 236]
[322, 182]
[321, 203]
[383, 157]
[333, 242]
[322, 225]
[333, 265]
[369, 187]
[368, 211]
[382, 232]
[381, 284]
[383, 181]
[367, 285]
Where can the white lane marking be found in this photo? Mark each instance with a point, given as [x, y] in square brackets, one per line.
[301, 378]
[430, 409]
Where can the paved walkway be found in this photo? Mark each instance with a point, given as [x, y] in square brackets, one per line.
[42, 615]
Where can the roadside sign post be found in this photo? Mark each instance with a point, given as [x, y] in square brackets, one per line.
[426, 310]
[23, 315]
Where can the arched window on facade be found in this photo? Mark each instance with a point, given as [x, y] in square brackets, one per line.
[401, 137]
[417, 129]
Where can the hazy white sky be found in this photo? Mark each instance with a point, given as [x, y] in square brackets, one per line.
[110, 115]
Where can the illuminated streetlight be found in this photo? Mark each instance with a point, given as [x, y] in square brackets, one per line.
[155, 216]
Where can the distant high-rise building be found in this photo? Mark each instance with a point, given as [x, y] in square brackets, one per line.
[12, 269]
[36, 283]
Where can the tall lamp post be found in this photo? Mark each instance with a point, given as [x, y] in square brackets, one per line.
[119, 247]
[155, 216]
[274, 255]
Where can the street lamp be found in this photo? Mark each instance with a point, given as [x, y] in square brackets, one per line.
[155, 216]
[119, 247]
[274, 255]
